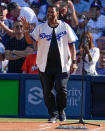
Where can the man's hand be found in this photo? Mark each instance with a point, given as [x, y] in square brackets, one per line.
[25, 23]
[71, 5]
[73, 68]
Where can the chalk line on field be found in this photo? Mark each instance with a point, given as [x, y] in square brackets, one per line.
[45, 128]
[17, 129]
[45, 124]
[97, 129]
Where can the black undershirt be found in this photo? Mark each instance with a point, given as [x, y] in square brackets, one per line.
[53, 59]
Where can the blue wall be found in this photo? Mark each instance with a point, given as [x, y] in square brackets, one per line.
[31, 102]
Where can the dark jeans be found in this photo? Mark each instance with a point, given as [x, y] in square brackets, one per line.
[50, 79]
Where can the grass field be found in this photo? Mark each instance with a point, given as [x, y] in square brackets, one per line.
[42, 120]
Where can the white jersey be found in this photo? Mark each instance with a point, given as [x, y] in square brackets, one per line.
[43, 34]
[29, 14]
[96, 27]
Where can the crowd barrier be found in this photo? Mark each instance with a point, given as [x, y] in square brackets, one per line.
[21, 96]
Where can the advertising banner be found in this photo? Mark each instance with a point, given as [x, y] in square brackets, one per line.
[74, 98]
[34, 102]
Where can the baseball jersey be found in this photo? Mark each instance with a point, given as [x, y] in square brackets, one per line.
[64, 35]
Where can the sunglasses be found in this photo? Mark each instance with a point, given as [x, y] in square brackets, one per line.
[18, 26]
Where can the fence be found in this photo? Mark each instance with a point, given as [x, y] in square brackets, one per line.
[21, 95]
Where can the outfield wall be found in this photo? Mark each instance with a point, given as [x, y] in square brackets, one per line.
[21, 96]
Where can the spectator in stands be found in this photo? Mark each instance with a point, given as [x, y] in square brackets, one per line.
[54, 38]
[35, 7]
[6, 22]
[89, 54]
[82, 25]
[42, 13]
[100, 2]
[3, 61]
[40, 10]
[67, 12]
[101, 42]
[29, 66]
[15, 10]
[103, 7]
[17, 49]
[19, 12]
[101, 46]
[2, 55]
[96, 24]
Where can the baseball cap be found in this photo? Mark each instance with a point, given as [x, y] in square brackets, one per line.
[96, 4]
[35, 4]
[3, 4]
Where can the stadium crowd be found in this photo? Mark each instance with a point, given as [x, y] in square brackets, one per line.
[18, 18]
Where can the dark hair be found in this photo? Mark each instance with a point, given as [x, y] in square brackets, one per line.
[35, 5]
[97, 5]
[53, 6]
[12, 6]
[91, 39]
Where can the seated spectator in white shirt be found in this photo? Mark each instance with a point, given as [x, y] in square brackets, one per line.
[87, 54]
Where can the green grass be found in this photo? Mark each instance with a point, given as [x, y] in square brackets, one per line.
[43, 120]
[21, 120]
